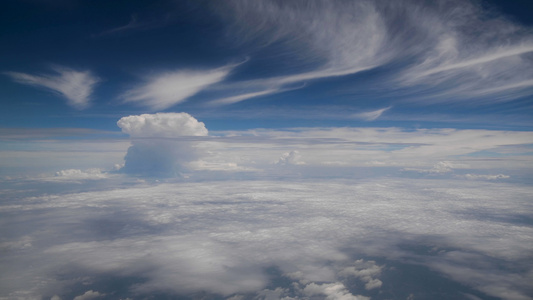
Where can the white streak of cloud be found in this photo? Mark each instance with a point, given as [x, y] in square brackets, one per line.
[322, 32]
[75, 86]
[468, 55]
[371, 115]
[450, 50]
[486, 177]
[242, 97]
[168, 89]
[132, 24]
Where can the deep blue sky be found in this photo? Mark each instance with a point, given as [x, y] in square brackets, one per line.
[126, 44]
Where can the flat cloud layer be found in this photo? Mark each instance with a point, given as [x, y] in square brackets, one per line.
[223, 237]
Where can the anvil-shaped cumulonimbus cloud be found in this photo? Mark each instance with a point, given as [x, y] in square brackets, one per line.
[160, 145]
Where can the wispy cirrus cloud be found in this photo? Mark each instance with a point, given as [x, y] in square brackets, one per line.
[165, 90]
[132, 24]
[75, 86]
[319, 37]
[136, 24]
[371, 115]
[472, 58]
[442, 51]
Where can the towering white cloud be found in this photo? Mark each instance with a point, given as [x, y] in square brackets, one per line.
[160, 145]
[162, 125]
[75, 86]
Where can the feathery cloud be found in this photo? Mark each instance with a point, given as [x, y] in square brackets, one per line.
[371, 115]
[75, 86]
[168, 89]
[443, 51]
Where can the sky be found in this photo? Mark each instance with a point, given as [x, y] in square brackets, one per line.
[266, 149]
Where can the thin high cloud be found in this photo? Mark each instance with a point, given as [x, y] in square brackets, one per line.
[136, 24]
[165, 90]
[450, 50]
[75, 86]
[470, 56]
[321, 33]
[371, 115]
[132, 24]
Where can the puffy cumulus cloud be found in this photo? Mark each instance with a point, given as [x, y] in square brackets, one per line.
[168, 89]
[75, 86]
[367, 271]
[223, 237]
[290, 158]
[332, 291]
[161, 144]
[90, 294]
[162, 125]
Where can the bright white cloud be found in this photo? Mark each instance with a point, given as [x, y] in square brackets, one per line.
[89, 295]
[75, 86]
[242, 97]
[168, 89]
[332, 291]
[452, 49]
[160, 146]
[371, 115]
[469, 56]
[322, 32]
[162, 125]
[367, 271]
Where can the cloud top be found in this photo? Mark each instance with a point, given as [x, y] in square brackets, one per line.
[162, 125]
[75, 86]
